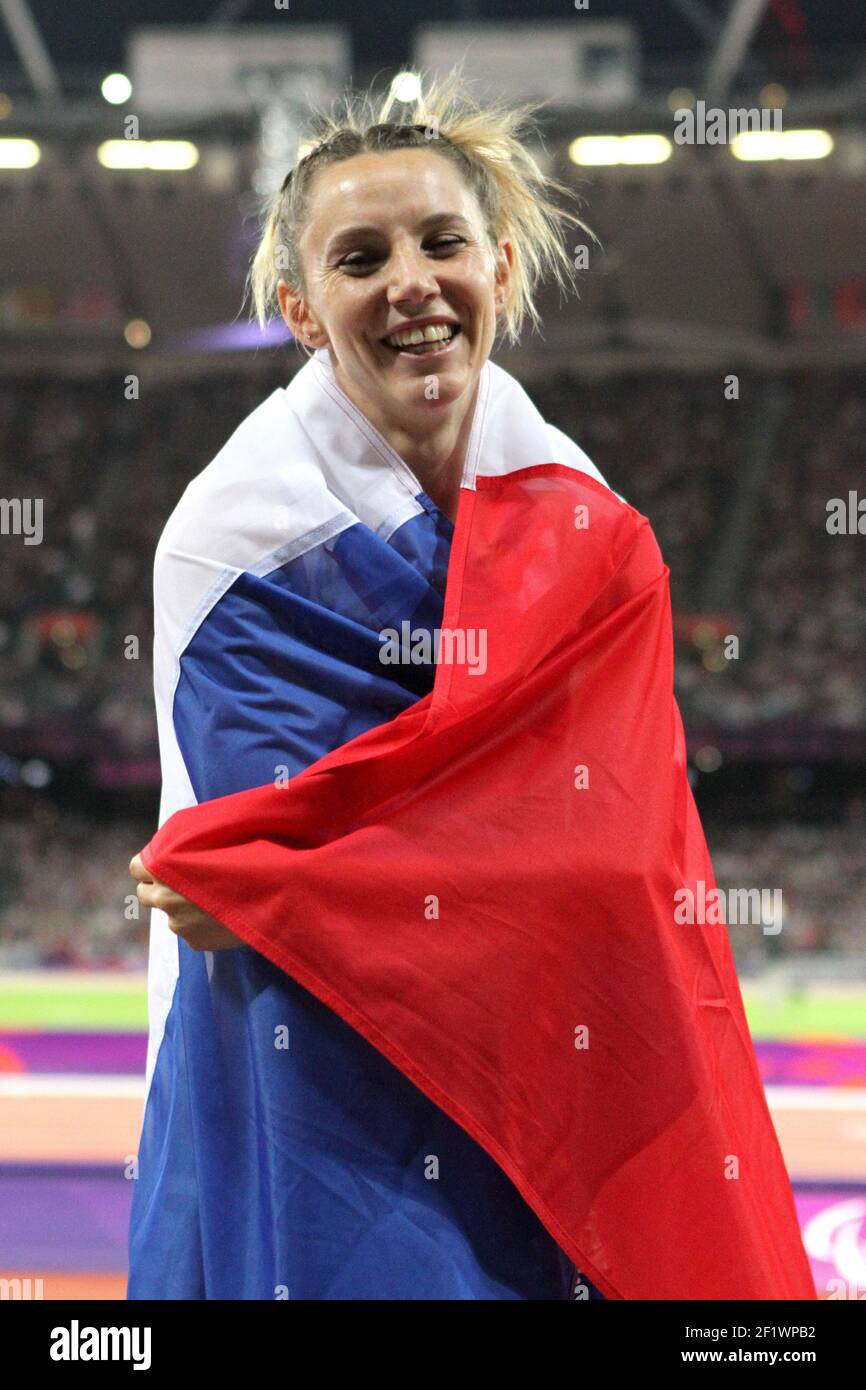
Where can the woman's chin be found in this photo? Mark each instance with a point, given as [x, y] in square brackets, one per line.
[435, 387]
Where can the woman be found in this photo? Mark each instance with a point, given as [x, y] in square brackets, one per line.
[344, 1102]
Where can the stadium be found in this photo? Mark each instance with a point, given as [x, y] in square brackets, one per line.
[711, 364]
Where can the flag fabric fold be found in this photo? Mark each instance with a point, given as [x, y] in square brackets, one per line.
[483, 885]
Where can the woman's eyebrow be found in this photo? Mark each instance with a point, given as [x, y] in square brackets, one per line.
[351, 233]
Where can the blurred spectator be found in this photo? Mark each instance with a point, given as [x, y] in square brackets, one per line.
[66, 893]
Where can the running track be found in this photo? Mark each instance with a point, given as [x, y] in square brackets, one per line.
[70, 1113]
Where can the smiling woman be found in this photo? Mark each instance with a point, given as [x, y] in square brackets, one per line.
[407, 305]
[404, 247]
[420, 1027]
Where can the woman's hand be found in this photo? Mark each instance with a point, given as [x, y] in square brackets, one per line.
[201, 932]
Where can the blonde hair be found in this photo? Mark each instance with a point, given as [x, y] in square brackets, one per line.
[488, 145]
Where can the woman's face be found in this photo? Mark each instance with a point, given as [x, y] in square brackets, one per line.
[393, 240]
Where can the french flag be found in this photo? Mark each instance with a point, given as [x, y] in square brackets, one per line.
[466, 1050]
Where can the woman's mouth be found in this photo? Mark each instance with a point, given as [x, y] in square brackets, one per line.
[432, 341]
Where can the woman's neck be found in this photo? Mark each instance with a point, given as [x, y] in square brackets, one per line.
[437, 460]
[436, 457]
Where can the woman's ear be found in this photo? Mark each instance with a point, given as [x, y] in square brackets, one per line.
[297, 316]
[502, 274]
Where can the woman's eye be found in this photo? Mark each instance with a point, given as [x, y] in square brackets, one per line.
[358, 260]
[444, 243]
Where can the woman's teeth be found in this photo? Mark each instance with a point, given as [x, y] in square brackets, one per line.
[421, 340]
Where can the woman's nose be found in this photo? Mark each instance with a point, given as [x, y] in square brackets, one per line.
[412, 279]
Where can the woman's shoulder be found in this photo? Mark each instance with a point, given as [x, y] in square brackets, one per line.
[566, 451]
[524, 429]
[260, 490]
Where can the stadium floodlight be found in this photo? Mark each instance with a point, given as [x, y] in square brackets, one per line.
[116, 88]
[19, 154]
[148, 154]
[782, 144]
[406, 86]
[602, 150]
[137, 333]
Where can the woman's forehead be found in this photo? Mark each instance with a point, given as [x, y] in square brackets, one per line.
[413, 180]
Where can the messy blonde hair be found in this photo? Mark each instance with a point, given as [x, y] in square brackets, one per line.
[486, 142]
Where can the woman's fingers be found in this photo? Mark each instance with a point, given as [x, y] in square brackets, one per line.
[156, 895]
[137, 869]
[197, 928]
[152, 893]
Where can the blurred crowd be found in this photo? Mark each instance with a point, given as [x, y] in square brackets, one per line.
[109, 470]
[66, 895]
[76, 616]
[820, 874]
[678, 450]
[67, 899]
